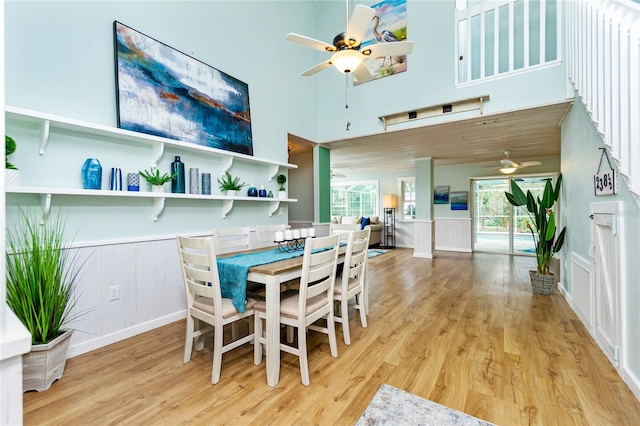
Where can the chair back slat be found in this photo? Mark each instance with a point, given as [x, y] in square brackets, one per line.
[232, 239]
[199, 269]
[265, 234]
[318, 268]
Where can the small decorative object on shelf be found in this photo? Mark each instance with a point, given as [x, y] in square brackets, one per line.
[11, 172]
[206, 184]
[270, 194]
[262, 192]
[228, 183]
[177, 180]
[115, 179]
[194, 181]
[252, 191]
[282, 192]
[133, 182]
[156, 180]
[92, 174]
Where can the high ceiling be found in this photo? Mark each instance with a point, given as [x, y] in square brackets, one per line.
[529, 134]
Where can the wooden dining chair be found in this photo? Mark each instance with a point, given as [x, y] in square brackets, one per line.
[312, 302]
[352, 283]
[232, 239]
[265, 234]
[339, 228]
[205, 303]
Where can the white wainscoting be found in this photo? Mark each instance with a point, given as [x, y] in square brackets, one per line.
[454, 234]
[150, 285]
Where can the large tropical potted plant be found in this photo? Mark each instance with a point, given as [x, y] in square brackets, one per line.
[42, 277]
[542, 225]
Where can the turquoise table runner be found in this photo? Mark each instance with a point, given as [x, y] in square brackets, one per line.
[233, 272]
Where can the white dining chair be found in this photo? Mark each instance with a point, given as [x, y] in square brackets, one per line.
[352, 283]
[339, 228]
[232, 239]
[265, 234]
[312, 302]
[205, 303]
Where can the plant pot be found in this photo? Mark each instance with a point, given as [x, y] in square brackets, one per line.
[541, 283]
[157, 188]
[11, 177]
[231, 192]
[282, 195]
[45, 363]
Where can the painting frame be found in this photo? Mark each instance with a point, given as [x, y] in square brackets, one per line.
[164, 92]
[459, 200]
[441, 194]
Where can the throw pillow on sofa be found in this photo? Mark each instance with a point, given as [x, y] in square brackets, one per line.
[373, 220]
[351, 220]
[365, 221]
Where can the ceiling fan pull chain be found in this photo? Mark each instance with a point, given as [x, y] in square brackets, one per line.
[346, 93]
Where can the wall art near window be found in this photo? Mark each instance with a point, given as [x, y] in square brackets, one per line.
[441, 194]
[459, 200]
[164, 92]
[389, 24]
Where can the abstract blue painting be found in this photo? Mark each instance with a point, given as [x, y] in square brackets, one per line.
[459, 200]
[164, 92]
[441, 194]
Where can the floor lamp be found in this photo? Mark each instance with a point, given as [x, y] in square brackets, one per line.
[389, 234]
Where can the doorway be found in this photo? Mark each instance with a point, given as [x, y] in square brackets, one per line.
[498, 226]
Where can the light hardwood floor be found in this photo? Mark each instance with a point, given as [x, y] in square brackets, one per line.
[463, 330]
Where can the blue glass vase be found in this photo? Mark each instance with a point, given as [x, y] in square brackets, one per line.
[252, 191]
[92, 174]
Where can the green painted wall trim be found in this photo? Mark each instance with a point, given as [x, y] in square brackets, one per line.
[324, 184]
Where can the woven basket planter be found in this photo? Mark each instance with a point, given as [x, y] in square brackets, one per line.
[45, 363]
[542, 284]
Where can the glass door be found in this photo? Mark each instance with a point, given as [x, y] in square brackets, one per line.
[499, 227]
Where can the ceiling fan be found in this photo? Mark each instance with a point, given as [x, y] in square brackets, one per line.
[337, 174]
[347, 51]
[509, 166]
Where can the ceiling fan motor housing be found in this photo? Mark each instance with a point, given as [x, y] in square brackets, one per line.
[341, 43]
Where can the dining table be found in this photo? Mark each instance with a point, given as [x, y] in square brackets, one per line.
[272, 275]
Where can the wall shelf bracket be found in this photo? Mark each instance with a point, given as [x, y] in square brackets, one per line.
[158, 207]
[44, 139]
[158, 151]
[226, 164]
[227, 206]
[273, 207]
[273, 171]
[45, 203]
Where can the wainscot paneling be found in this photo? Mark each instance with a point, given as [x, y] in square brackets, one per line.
[453, 234]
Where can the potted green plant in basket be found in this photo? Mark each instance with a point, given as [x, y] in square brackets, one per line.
[542, 225]
[282, 192]
[11, 173]
[156, 180]
[230, 184]
[42, 277]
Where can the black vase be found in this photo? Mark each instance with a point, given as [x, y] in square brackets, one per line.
[177, 171]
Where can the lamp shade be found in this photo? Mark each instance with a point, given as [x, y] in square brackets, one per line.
[346, 61]
[508, 170]
[389, 201]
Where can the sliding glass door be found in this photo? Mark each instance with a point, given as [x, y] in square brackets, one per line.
[498, 226]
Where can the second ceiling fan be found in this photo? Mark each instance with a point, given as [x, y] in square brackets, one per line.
[348, 54]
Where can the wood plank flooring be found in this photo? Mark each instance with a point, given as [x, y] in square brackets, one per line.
[463, 330]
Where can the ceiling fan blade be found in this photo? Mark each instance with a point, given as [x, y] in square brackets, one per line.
[397, 48]
[530, 163]
[358, 24]
[362, 73]
[310, 42]
[314, 70]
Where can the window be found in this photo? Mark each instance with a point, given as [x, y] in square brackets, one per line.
[408, 197]
[354, 199]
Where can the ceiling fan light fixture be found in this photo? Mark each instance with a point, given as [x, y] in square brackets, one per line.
[508, 170]
[346, 61]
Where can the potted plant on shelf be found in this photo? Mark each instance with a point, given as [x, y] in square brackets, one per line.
[282, 192]
[542, 226]
[230, 185]
[156, 180]
[42, 292]
[11, 173]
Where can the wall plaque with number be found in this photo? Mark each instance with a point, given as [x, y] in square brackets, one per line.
[605, 183]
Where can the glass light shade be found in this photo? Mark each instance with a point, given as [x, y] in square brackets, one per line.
[508, 170]
[346, 61]
[389, 201]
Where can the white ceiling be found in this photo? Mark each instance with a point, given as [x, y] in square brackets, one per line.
[529, 134]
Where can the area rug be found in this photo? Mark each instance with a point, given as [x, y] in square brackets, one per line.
[393, 406]
[376, 252]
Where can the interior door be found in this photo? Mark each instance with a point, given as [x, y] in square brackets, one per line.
[606, 285]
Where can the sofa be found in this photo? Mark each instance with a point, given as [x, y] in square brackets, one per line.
[355, 222]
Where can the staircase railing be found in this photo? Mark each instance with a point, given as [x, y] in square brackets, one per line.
[603, 63]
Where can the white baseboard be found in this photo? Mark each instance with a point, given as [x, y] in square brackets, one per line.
[423, 255]
[102, 341]
[632, 381]
[458, 249]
